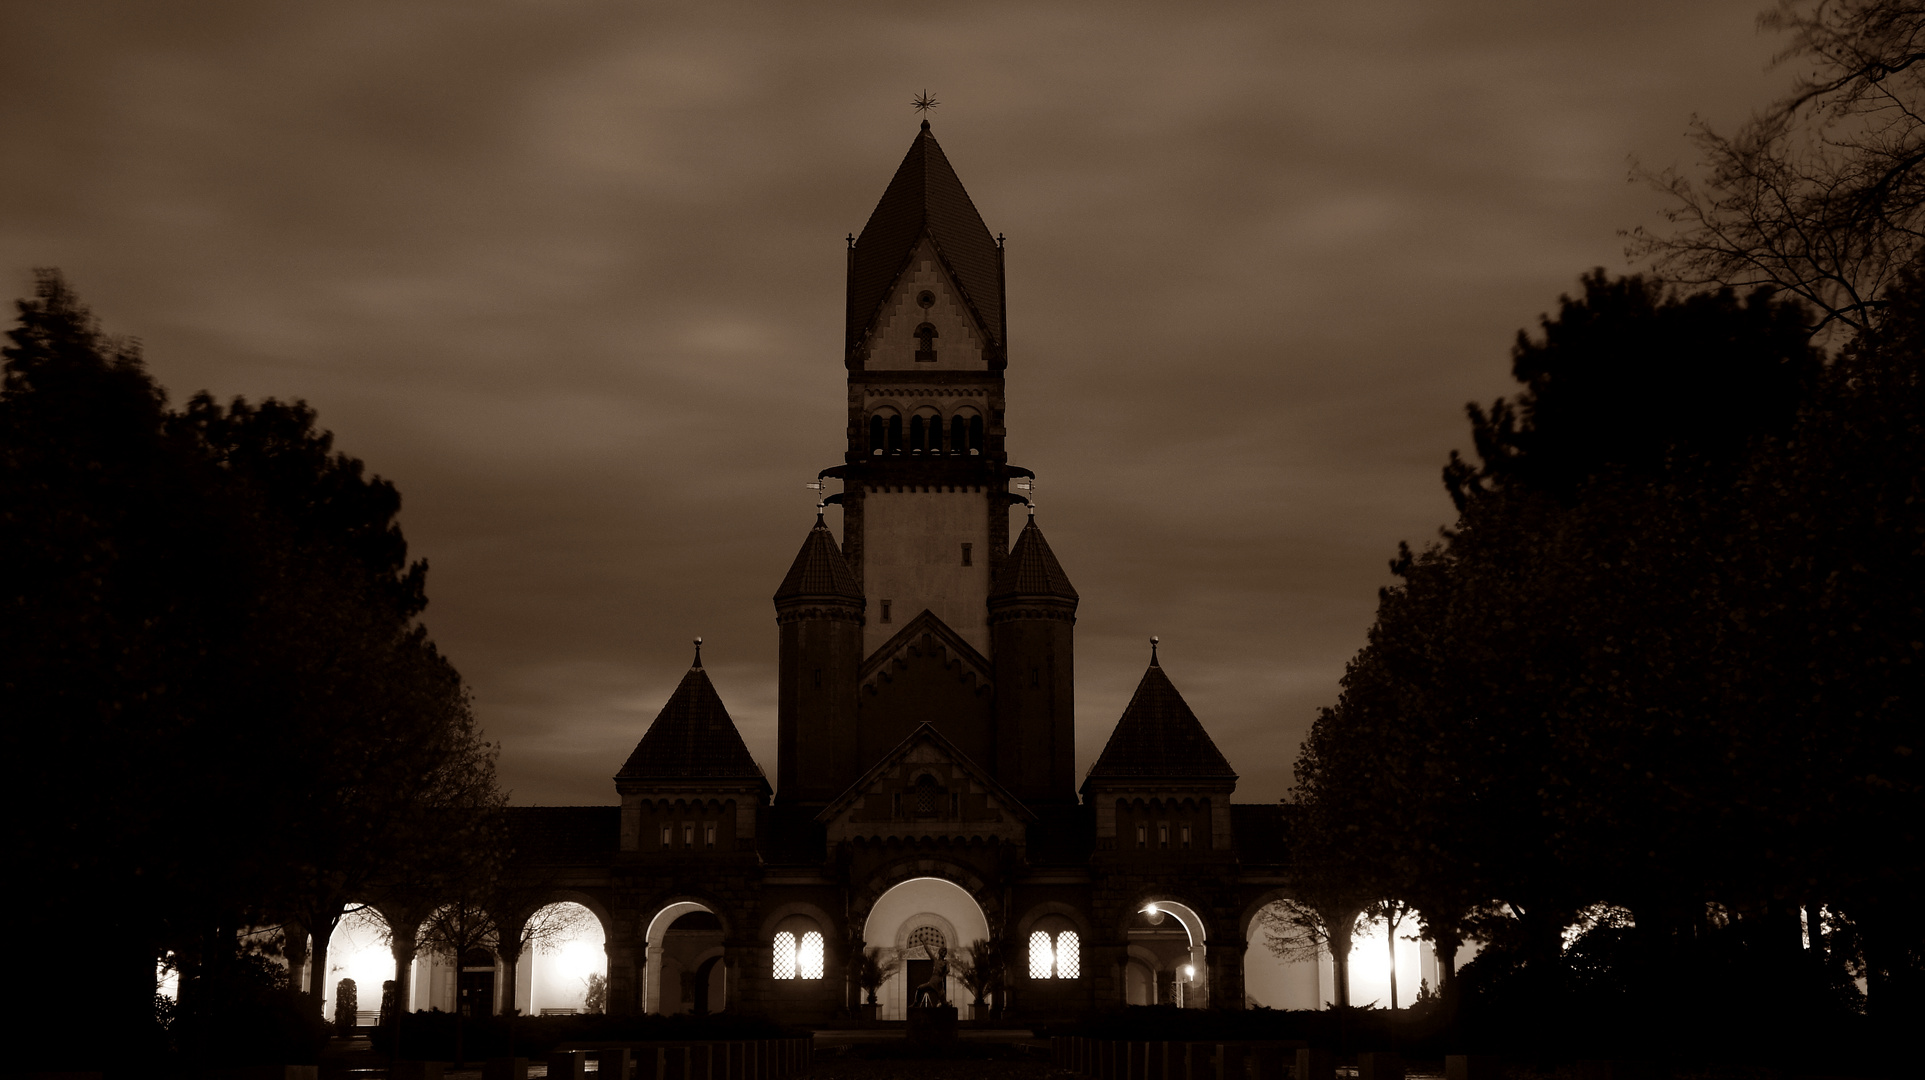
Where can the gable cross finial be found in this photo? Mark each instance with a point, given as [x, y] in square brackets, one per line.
[1153, 642]
[698, 653]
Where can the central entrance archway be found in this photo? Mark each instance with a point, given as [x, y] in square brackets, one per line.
[910, 923]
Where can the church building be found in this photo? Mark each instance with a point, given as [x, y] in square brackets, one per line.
[924, 794]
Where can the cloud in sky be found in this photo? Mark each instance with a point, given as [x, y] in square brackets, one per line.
[572, 276]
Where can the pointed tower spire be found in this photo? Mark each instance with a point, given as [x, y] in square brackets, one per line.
[691, 737]
[819, 571]
[1158, 737]
[1031, 571]
[925, 198]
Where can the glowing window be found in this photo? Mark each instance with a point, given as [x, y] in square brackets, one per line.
[1163, 834]
[1041, 957]
[1069, 955]
[668, 835]
[688, 834]
[710, 827]
[809, 958]
[784, 955]
[1186, 836]
[1142, 836]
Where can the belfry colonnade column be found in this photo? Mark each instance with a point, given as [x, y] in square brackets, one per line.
[509, 956]
[652, 979]
[627, 974]
[403, 945]
[1225, 974]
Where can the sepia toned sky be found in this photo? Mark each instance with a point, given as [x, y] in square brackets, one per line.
[571, 274]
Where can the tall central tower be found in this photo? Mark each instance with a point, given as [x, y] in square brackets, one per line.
[925, 479]
[924, 589]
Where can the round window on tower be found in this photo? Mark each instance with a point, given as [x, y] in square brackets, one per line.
[926, 299]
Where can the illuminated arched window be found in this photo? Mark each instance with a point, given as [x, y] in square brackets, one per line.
[1042, 958]
[809, 958]
[1055, 950]
[785, 955]
[1069, 955]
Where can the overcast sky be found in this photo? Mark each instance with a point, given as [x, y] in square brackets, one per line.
[571, 275]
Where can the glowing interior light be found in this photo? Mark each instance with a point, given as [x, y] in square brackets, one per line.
[1152, 911]
[1189, 971]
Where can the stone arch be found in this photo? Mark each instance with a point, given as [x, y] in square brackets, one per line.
[904, 869]
[1184, 961]
[553, 973]
[910, 902]
[658, 991]
[1274, 982]
[1037, 912]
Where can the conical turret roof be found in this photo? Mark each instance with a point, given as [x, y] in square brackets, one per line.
[1031, 569]
[692, 736]
[925, 196]
[1159, 736]
[819, 571]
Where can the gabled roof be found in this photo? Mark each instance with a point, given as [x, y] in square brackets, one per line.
[928, 624]
[1031, 569]
[925, 734]
[925, 198]
[819, 571]
[692, 737]
[1159, 737]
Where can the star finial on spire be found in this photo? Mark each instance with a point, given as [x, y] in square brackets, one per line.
[698, 653]
[923, 104]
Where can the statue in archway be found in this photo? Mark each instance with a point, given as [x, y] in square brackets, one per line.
[930, 993]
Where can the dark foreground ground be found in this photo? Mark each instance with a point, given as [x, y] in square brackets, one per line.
[1019, 1055]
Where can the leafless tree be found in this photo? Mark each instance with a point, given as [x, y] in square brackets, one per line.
[1821, 195]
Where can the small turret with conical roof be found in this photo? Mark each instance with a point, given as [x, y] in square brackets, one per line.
[1160, 783]
[691, 785]
[819, 610]
[1032, 626]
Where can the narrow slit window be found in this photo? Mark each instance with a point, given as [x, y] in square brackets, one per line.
[1163, 835]
[1186, 836]
[668, 835]
[688, 834]
[1142, 836]
[967, 552]
[885, 611]
[709, 835]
